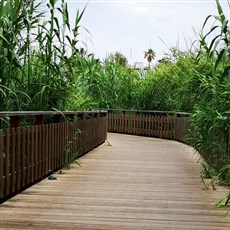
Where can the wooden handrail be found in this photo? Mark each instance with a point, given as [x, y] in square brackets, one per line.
[15, 116]
[46, 113]
[149, 111]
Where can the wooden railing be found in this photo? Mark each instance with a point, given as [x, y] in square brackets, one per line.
[168, 125]
[174, 126]
[30, 153]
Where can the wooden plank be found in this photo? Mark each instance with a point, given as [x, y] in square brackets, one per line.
[43, 150]
[2, 187]
[153, 126]
[166, 127]
[134, 123]
[97, 133]
[18, 159]
[170, 127]
[54, 146]
[142, 124]
[158, 126]
[23, 158]
[57, 141]
[28, 156]
[50, 148]
[65, 140]
[114, 120]
[61, 144]
[39, 152]
[127, 124]
[148, 125]
[79, 136]
[12, 160]
[36, 153]
[129, 127]
[115, 123]
[173, 128]
[32, 154]
[163, 126]
[137, 124]
[112, 190]
[112, 124]
[124, 123]
[71, 137]
[115, 117]
[46, 127]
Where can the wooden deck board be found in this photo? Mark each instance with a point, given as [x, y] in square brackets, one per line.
[137, 183]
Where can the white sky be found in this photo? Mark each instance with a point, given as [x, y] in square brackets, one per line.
[132, 27]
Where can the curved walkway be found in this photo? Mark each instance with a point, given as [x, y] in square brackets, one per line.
[137, 183]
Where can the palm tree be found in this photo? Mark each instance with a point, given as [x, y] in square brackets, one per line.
[150, 55]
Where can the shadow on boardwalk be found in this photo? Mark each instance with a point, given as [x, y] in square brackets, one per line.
[137, 183]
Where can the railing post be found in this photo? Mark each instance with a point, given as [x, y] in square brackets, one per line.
[71, 117]
[14, 121]
[57, 118]
[39, 119]
[123, 128]
[176, 127]
[80, 116]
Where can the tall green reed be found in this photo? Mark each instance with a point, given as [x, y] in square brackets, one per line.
[35, 41]
[210, 125]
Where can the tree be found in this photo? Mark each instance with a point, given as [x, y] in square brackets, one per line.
[118, 58]
[150, 55]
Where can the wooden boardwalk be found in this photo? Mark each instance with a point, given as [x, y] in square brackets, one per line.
[137, 183]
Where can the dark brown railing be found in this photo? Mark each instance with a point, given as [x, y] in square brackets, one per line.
[168, 125]
[30, 153]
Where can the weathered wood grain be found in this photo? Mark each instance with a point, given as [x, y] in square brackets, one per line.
[137, 183]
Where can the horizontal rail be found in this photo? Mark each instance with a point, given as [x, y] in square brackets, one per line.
[148, 112]
[47, 113]
[15, 117]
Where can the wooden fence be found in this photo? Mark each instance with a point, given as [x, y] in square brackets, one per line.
[167, 125]
[28, 154]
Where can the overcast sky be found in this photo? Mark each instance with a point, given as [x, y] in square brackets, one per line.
[132, 27]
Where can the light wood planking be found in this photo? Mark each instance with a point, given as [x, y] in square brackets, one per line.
[137, 183]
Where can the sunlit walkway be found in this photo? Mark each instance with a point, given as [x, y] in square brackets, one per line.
[136, 183]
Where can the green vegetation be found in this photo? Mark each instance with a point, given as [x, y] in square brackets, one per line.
[43, 67]
[36, 72]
